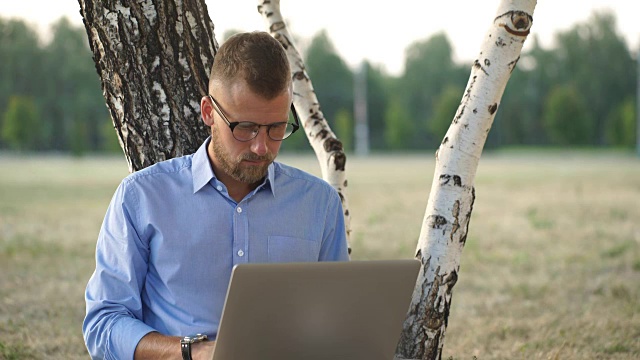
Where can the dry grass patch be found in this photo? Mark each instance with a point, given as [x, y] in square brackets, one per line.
[551, 269]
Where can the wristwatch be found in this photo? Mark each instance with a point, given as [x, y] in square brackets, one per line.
[185, 344]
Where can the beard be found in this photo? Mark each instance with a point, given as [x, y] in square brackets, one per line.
[249, 174]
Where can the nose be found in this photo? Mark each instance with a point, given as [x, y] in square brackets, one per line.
[259, 143]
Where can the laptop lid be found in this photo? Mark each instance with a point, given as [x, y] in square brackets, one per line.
[325, 310]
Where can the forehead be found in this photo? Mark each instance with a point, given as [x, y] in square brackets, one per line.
[242, 104]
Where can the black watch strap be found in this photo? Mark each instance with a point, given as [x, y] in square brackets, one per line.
[186, 350]
[185, 344]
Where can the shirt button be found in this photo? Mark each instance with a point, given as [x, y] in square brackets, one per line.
[219, 188]
[239, 209]
[240, 253]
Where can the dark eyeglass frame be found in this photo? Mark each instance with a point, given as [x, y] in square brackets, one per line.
[232, 125]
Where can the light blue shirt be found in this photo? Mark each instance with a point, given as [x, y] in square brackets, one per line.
[172, 234]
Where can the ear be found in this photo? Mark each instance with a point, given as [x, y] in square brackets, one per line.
[206, 110]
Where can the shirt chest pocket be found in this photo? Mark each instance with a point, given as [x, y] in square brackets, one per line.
[290, 249]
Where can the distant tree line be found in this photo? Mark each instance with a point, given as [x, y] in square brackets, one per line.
[50, 96]
[581, 92]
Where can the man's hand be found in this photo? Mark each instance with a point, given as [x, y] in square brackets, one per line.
[203, 350]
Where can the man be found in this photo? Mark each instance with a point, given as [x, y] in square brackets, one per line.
[173, 231]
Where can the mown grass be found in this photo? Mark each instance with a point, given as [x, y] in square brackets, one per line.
[551, 269]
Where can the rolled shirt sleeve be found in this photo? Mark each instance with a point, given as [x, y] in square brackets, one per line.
[113, 327]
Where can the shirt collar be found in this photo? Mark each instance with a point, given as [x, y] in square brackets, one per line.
[202, 172]
[271, 178]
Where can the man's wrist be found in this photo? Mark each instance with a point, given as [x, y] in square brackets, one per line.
[187, 341]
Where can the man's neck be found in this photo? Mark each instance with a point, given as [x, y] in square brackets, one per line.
[237, 190]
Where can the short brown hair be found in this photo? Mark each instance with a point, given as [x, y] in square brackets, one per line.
[255, 58]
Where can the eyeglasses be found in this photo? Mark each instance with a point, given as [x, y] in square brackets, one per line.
[247, 130]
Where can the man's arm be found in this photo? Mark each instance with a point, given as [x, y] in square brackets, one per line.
[157, 346]
[112, 327]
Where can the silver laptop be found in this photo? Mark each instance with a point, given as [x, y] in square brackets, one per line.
[328, 310]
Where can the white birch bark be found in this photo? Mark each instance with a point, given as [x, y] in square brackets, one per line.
[324, 142]
[446, 220]
[154, 60]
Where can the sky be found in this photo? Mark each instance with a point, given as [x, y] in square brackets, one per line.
[379, 33]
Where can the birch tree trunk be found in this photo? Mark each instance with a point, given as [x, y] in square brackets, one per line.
[446, 220]
[324, 142]
[154, 59]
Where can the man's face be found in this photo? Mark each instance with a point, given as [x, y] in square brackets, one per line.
[246, 167]
[245, 162]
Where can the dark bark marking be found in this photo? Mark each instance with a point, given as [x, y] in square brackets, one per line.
[433, 318]
[475, 111]
[520, 20]
[340, 160]
[512, 65]
[493, 108]
[487, 62]
[437, 221]
[451, 281]
[465, 99]
[463, 240]
[322, 134]
[332, 144]
[420, 343]
[300, 75]
[316, 115]
[515, 32]
[316, 119]
[500, 42]
[522, 23]
[459, 115]
[456, 220]
[345, 183]
[445, 179]
[476, 64]
[431, 351]
[445, 141]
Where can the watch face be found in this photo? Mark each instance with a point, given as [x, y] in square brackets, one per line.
[193, 338]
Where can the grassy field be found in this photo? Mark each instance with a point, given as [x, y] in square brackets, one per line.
[551, 269]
